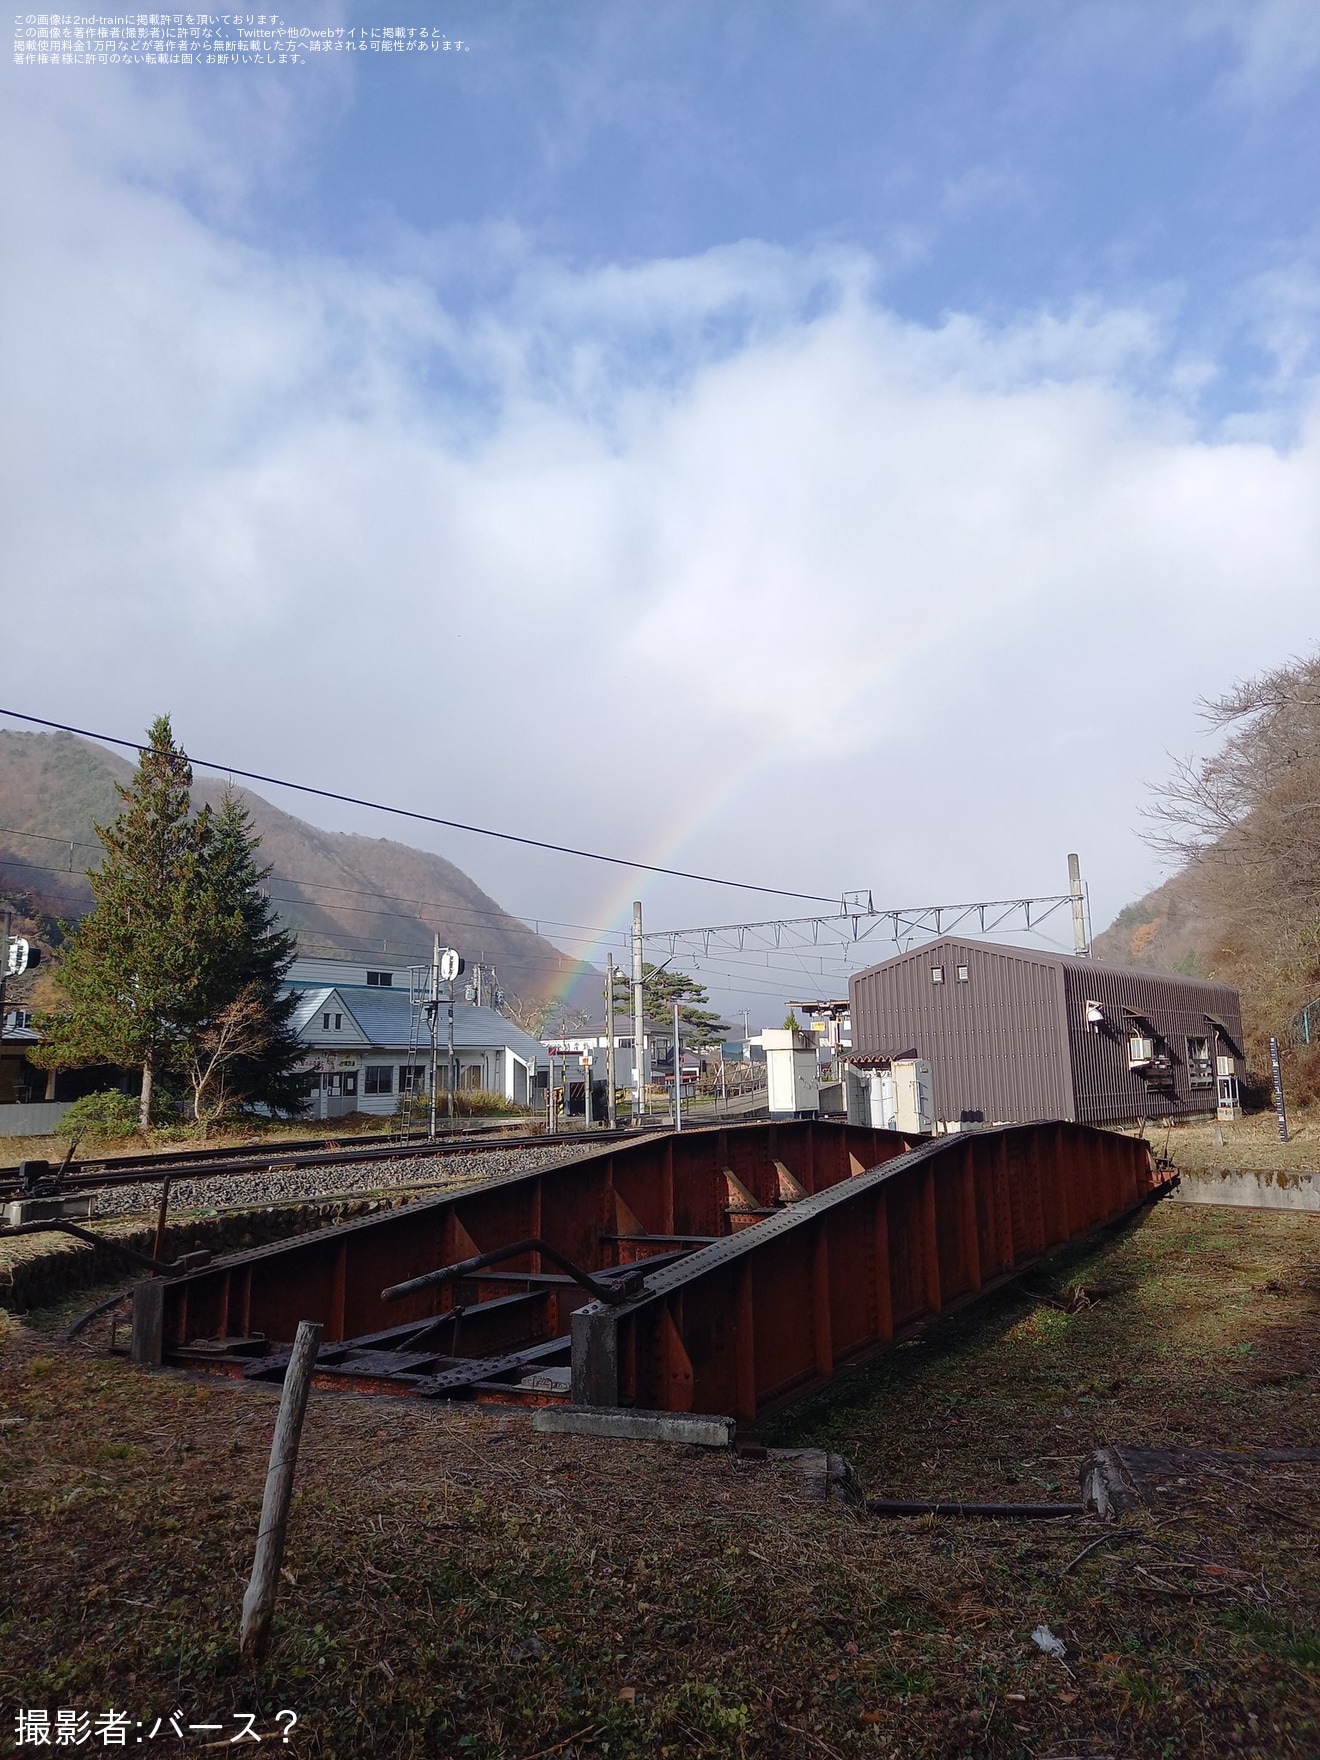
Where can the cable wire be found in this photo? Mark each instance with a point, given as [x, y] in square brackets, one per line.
[328, 794]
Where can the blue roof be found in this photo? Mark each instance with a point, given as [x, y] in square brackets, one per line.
[385, 1018]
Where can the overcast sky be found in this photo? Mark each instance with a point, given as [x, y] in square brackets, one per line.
[830, 445]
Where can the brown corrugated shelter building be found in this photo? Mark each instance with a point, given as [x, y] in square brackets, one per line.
[1017, 1033]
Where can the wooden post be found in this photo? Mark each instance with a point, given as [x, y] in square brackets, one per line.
[148, 1322]
[259, 1601]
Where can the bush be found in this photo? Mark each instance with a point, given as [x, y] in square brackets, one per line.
[105, 1115]
[472, 1102]
[415, 1108]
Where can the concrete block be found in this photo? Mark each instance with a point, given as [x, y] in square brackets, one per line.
[76, 1208]
[1249, 1188]
[696, 1428]
[825, 1477]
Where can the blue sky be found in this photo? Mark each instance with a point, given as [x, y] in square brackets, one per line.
[833, 444]
[989, 158]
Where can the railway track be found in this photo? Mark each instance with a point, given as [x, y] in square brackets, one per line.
[128, 1170]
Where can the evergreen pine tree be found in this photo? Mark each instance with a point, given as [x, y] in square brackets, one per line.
[137, 976]
[260, 1062]
[661, 989]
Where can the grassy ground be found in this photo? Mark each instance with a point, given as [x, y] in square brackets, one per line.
[458, 1586]
[1249, 1142]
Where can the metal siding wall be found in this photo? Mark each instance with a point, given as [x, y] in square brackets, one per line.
[997, 1044]
[1107, 1090]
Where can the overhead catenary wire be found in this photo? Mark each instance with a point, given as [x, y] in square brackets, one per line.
[593, 934]
[793, 962]
[330, 794]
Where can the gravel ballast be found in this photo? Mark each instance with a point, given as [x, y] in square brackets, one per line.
[290, 1185]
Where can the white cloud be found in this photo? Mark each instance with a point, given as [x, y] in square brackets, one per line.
[1277, 41]
[553, 560]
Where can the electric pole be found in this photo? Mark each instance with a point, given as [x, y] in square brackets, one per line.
[639, 1021]
[433, 1009]
[611, 1111]
[678, 1076]
[449, 1086]
[5, 931]
[1081, 941]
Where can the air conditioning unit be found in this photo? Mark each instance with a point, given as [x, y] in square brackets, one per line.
[1141, 1052]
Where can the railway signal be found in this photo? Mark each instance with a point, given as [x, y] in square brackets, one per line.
[22, 957]
[16, 957]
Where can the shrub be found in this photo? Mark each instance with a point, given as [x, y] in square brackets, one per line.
[415, 1108]
[105, 1115]
[474, 1101]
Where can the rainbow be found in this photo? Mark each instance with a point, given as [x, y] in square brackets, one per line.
[700, 808]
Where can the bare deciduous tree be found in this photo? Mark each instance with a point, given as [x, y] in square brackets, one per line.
[544, 1017]
[1247, 819]
[240, 1030]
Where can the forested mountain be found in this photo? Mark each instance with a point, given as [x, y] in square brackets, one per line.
[340, 893]
[1245, 823]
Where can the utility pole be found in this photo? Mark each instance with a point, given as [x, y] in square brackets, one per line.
[434, 1011]
[611, 1110]
[450, 1083]
[1081, 941]
[639, 1021]
[6, 931]
[678, 1076]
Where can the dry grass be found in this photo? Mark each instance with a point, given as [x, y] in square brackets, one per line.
[458, 1586]
[1250, 1142]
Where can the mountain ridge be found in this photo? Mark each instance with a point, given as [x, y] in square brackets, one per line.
[342, 893]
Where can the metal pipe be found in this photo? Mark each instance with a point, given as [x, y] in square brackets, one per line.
[158, 1247]
[72, 1330]
[611, 1294]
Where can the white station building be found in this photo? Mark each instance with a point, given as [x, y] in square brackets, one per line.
[367, 1041]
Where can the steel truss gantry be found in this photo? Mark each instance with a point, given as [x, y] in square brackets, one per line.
[857, 920]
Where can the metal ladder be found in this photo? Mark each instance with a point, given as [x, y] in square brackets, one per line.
[419, 994]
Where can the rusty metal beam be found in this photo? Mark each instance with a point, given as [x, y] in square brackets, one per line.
[753, 1261]
[774, 1311]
